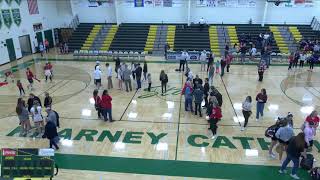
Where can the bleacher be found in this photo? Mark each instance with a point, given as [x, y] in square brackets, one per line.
[130, 37]
[307, 32]
[253, 30]
[79, 36]
[191, 38]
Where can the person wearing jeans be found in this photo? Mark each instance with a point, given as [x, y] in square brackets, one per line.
[164, 80]
[215, 117]
[126, 77]
[261, 100]
[295, 147]
[198, 98]
[187, 92]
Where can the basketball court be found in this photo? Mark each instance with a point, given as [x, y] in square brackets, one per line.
[151, 130]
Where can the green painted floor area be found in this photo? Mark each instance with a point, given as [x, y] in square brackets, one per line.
[172, 167]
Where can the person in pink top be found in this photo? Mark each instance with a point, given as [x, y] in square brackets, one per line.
[310, 133]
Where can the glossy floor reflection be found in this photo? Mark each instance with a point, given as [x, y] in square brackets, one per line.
[149, 125]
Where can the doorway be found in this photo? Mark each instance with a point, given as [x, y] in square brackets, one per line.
[25, 45]
[48, 36]
[11, 49]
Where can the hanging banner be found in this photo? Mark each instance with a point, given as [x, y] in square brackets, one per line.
[18, 1]
[138, 3]
[9, 1]
[6, 15]
[167, 3]
[157, 3]
[16, 16]
[148, 3]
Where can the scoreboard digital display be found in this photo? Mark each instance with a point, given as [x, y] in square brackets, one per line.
[27, 163]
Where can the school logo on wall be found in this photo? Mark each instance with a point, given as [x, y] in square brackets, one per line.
[6, 15]
[17, 1]
[16, 16]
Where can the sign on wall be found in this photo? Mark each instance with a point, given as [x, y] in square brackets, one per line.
[18, 2]
[16, 16]
[226, 3]
[6, 15]
[138, 3]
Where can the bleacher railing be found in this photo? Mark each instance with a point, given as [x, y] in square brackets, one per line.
[315, 24]
[74, 22]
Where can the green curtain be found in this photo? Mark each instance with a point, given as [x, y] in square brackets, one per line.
[16, 16]
[6, 15]
[18, 2]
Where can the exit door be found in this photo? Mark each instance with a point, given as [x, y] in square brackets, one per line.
[11, 49]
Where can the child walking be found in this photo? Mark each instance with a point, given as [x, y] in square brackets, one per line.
[149, 81]
[21, 90]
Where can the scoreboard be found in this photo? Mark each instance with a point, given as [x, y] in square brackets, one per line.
[27, 163]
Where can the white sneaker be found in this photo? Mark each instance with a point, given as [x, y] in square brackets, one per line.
[257, 119]
[273, 156]
[294, 176]
[213, 137]
[282, 171]
[242, 129]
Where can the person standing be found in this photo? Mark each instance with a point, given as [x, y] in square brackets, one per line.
[138, 72]
[52, 116]
[30, 77]
[166, 48]
[46, 44]
[243, 51]
[210, 61]
[290, 59]
[117, 65]
[211, 74]
[23, 116]
[303, 58]
[312, 61]
[47, 100]
[228, 61]
[310, 132]
[295, 147]
[296, 59]
[215, 117]
[37, 117]
[261, 99]
[164, 81]
[97, 77]
[47, 72]
[261, 69]
[120, 77]
[51, 134]
[246, 111]
[31, 100]
[206, 89]
[145, 70]
[109, 75]
[197, 81]
[149, 81]
[20, 87]
[97, 103]
[203, 60]
[313, 117]
[223, 65]
[126, 77]
[187, 92]
[106, 106]
[41, 48]
[218, 65]
[183, 60]
[198, 98]
[284, 134]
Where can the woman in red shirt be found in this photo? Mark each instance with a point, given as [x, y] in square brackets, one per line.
[261, 100]
[30, 77]
[97, 102]
[291, 59]
[106, 106]
[215, 117]
[313, 117]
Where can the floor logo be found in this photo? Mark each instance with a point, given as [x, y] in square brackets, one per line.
[156, 91]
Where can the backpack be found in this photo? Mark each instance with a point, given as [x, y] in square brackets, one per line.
[58, 122]
[307, 163]
[315, 173]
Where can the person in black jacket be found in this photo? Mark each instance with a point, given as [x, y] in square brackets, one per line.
[294, 150]
[217, 94]
[210, 61]
[197, 80]
[51, 134]
[47, 100]
[31, 100]
[138, 72]
[117, 65]
[145, 70]
[206, 89]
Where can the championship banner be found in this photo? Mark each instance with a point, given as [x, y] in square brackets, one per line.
[138, 3]
[167, 3]
[16, 16]
[158, 3]
[17, 1]
[148, 3]
[6, 15]
[9, 1]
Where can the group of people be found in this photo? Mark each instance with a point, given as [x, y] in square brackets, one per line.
[45, 127]
[301, 57]
[283, 138]
[63, 48]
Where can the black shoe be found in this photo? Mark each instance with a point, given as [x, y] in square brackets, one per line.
[111, 120]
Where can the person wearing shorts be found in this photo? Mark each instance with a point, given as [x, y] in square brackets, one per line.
[284, 134]
[97, 77]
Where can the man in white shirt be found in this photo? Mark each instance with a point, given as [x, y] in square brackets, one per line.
[203, 60]
[97, 77]
[109, 75]
[202, 22]
[183, 60]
